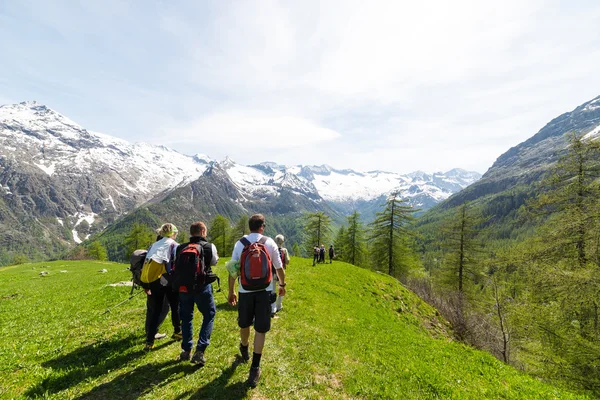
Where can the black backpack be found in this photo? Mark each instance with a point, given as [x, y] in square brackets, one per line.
[190, 270]
[136, 263]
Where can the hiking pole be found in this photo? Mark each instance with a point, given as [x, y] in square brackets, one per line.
[124, 301]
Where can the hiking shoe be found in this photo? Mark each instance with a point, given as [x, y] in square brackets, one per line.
[244, 353]
[148, 347]
[198, 358]
[253, 377]
[185, 356]
[177, 336]
[160, 336]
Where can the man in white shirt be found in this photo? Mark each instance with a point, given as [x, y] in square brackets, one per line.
[255, 305]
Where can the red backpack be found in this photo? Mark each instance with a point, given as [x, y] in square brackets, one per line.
[255, 265]
[190, 270]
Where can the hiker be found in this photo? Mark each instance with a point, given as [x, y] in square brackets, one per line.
[155, 278]
[257, 254]
[331, 254]
[285, 260]
[163, 315]
[322, 254]
[196, 289]
[315, 254]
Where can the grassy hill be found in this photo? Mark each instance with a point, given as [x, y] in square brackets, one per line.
[344, 332]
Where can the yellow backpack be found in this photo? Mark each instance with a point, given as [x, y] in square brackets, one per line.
[151, 272]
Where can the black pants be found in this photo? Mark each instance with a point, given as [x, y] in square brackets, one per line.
[315, 259]
[163, 313]
[155, 305]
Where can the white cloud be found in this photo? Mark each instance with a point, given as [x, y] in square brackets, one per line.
[252, 132]
[393, 85]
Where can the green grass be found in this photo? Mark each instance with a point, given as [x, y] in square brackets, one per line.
[344, 332]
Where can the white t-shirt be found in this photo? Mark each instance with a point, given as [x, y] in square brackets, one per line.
[271, 248]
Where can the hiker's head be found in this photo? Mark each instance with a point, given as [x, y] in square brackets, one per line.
[279, 239]
[198, 229]
[256, 223]
[167, 230]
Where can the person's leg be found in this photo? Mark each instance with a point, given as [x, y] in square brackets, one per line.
[245, 336]
[278, 305]
[186, 311]
[156, 300]
[163, 312]
[245, 318]
[206, 305]
[273, 297]
[262, 324]
[173, 302]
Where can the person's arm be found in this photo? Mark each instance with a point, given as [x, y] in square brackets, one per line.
[235, 256]
[232, 298]
[215, 255]
[281, 276]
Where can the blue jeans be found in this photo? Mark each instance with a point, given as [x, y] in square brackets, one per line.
[205, 302]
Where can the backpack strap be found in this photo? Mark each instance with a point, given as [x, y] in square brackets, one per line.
[263, 240]
[245, 241]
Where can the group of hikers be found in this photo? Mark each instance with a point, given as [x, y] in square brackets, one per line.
[319, 254]
[179, 276]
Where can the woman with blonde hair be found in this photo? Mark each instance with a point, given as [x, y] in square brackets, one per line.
[155, 280]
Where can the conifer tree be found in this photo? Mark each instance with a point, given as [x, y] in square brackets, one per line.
[239, 230]
[97, 252]
[354, 245]
[461, 249]
[390, 235]
[219, 233]
[139, 237]
[317, 229]
[564, 276]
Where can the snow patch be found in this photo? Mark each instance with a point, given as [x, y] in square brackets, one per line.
[60, 221]
[593, 133]
[47, 169]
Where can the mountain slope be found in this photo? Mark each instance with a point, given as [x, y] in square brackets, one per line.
[59, 183]
[356, 334]
[525, 163]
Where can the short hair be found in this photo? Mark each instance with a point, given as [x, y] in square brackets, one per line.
[255, 222]
[196, 228]
[279, 239]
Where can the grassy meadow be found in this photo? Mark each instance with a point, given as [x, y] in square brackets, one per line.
[344, 333]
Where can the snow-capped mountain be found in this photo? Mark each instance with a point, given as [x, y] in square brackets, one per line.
[62, 182]
[345, 189]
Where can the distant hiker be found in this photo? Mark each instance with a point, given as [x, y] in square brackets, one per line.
[331, 254]
[322, 254]
[257, 254]
[315, 254]
[155, 278]
[285, 260]
[193, 279]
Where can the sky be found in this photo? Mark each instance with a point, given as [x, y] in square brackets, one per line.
[393, 85]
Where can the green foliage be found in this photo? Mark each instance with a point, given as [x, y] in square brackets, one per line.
[366, 337]
[390, 235]
[296, 250]
[20, 259]
[317, 230]
[238, 231]
[351, 241]
[460, 264]
[139, 237]
[96, 251]
[220, 234]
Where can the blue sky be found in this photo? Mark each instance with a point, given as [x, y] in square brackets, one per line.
[395, 86]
